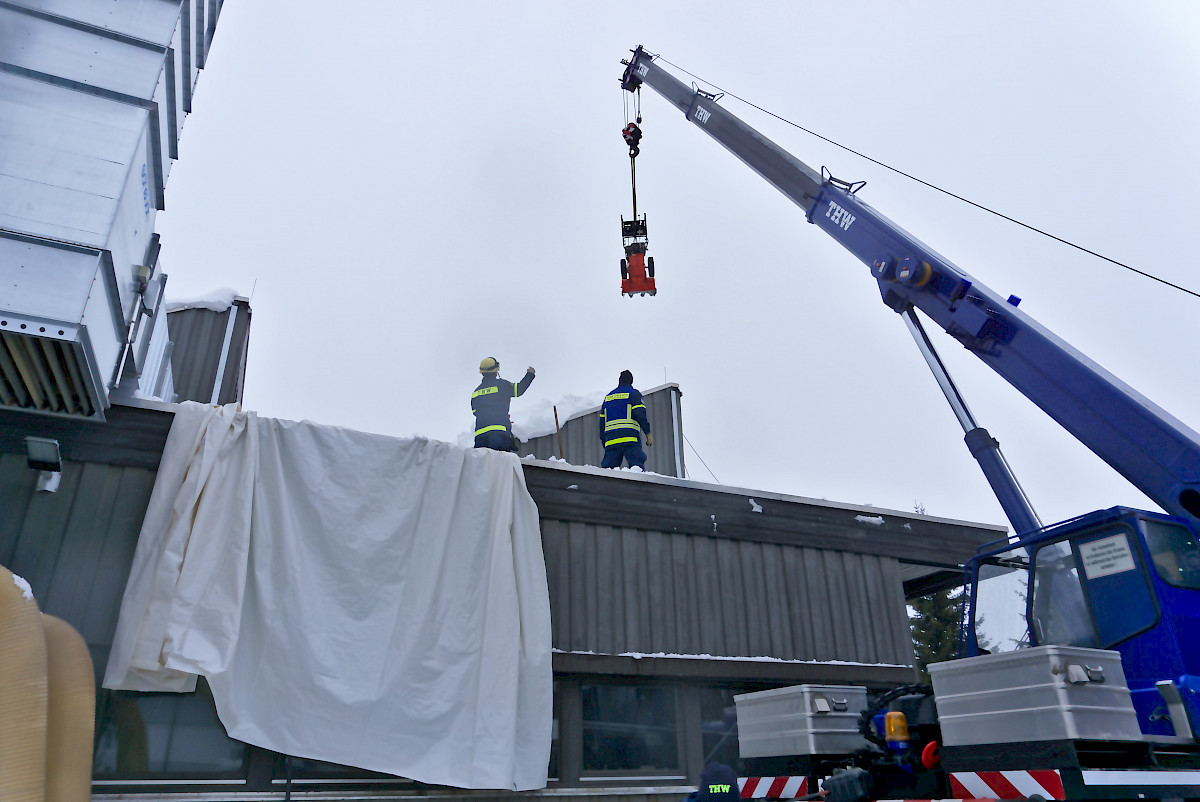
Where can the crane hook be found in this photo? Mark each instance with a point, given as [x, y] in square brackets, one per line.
[633, 136]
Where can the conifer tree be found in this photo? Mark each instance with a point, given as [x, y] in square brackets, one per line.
[935, 622]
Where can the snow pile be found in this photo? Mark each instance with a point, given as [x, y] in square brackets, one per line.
[537, 417]
[25, 588]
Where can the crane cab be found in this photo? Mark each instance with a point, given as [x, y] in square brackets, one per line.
[1119, 579]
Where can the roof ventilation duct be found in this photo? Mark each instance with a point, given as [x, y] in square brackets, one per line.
[46, 374]
[68, 324]
[95, 95]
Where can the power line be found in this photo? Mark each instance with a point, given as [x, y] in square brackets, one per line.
[937, 188]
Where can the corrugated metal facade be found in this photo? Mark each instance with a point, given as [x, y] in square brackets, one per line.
[208, 346]
[93, 96]
[638, 564]
[580, 435]
[621, 590]
[74, 546]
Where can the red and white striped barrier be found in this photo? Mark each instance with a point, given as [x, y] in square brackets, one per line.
[974, 786]
[1006, 784]
[773, 787]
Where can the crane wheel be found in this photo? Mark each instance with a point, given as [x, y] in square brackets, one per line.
[624, 270]
[650, 267]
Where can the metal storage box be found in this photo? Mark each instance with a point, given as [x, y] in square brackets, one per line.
[1045, 693]
[800, 720]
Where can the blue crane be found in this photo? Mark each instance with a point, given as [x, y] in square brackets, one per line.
[1117, 579]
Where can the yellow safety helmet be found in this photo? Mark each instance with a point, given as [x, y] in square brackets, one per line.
[489, 365]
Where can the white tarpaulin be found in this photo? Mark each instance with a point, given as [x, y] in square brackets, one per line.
[350, 597]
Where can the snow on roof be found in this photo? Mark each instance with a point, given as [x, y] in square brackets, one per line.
[216, 301]
[670, 656]
[537, 418]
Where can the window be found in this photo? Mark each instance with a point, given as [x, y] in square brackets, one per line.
[998, 607]
[1059, 612]
[629, 728]
[1176, 553]
[148, 735]
[718, 726]
[555, 736]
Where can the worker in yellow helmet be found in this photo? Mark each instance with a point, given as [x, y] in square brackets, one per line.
[489, 402]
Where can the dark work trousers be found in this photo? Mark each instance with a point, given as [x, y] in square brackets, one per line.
[630, 452]
[497, 441]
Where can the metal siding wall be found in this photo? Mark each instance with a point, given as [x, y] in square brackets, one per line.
[90, 61]
[69, 158]
[581, 443]
[78, 55]
[74, 546]
[199, 336]
[621, 590]
[235, 363]
[152, 20]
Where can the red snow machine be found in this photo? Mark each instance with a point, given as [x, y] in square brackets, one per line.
[637, 271]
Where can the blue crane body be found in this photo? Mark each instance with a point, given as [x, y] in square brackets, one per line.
[1124, 580]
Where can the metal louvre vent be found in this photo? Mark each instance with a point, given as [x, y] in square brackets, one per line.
[45, 374]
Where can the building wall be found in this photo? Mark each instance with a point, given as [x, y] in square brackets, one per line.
[619, 590]
[74, 546]
[664, 593]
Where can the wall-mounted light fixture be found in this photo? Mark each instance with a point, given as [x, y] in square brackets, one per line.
[45, 459]
[141, 276]
[43, 454]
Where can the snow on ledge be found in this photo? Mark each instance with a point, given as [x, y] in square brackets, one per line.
[711, 657]
[215, 301]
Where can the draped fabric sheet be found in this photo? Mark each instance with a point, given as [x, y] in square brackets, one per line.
[350, 598]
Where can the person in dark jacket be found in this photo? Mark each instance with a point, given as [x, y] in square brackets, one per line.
[622, 421]
[718, 783]
[489, 402]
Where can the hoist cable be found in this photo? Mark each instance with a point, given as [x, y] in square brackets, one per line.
[937, 188]
[633, 181]
[702, 462]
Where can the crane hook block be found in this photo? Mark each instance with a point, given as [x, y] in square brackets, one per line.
[633, 136]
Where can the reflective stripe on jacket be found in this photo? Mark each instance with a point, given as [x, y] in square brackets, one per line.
[623, 417]
[490, 403]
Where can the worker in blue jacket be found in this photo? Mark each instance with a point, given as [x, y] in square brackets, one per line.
[622, 421]
[489, 402]
[718, 783]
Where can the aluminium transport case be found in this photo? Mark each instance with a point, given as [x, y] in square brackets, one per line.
[800, 720]
[1058, 718]
[1046, 693]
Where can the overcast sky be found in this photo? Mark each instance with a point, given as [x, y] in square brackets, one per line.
[405, 188]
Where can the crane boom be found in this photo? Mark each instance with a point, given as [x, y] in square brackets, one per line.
[1152, 449]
